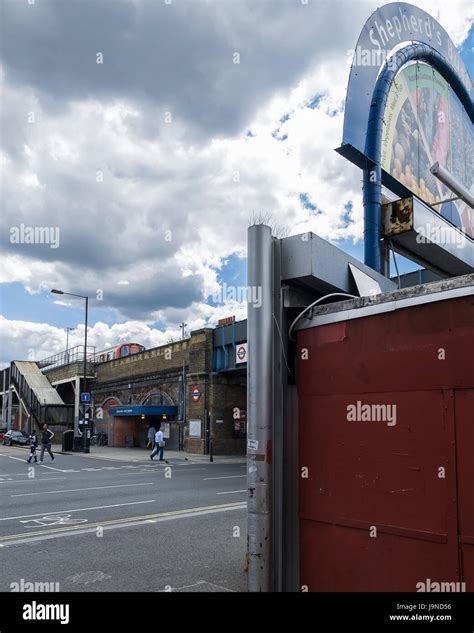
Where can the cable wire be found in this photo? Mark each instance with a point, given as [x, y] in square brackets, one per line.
[332, 294]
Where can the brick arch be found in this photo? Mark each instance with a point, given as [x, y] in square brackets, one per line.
[157, 395]
[106, 423]
[109, 401]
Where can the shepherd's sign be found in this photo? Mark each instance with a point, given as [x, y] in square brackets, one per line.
[388, 27]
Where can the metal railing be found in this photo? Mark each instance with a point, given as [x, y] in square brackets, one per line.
[40, 412]
[69, 356]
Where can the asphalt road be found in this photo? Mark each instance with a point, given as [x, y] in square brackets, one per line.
[92, 524]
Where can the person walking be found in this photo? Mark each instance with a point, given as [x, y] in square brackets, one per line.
[159, 445]
[150, 436]
[46, 437]
[33, 439]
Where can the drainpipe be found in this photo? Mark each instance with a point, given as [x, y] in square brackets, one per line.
[259, 407]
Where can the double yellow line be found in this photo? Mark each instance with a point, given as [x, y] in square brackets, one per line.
[139, 519]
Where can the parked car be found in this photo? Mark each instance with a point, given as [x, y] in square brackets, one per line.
[14, 437]
[3, 430]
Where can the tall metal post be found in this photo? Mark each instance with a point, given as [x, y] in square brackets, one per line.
[10, 399]
[259, 407]
[4, 398]
[183, 410]
[68, 329]
[84, 384]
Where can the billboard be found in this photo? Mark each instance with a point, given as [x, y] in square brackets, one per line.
[425, 123]
[409, 107]
[388, 27]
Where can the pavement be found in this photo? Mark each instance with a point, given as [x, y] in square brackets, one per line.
[140, 454]
[112, 520]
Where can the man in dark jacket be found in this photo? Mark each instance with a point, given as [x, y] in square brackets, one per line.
[46, 437]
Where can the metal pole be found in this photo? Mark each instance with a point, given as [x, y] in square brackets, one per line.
[4, 399]
[68, 329]
[10, 398]
[84, 382]
[184, 409]
[259, 407]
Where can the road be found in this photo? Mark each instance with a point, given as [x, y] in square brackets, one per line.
[92, 524]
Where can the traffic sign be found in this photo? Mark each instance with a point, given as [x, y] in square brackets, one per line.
[195, 394]
[85, 397]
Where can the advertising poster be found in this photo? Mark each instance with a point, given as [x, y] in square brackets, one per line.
[425, 123]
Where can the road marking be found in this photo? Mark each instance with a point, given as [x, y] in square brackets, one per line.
[227, 477]
[58, 519]
[115, 505]
[158, 470]
[57, 492]
[198, 584]
[228, 492]
[20, 459]
[13, 539]
[51, 468]
[33, 480]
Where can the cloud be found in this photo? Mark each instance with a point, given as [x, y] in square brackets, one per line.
[21, 340]
[151, 164]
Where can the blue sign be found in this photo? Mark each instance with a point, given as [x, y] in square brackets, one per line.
[133, 410]
[85, 397]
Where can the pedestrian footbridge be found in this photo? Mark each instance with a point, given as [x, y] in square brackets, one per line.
[29, 397]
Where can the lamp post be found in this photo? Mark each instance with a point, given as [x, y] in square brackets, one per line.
[84, 378]
[68, 329]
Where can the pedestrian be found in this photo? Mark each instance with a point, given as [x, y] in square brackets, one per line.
[159, 444]
[33, 440]
[46, 437]
[151, 437]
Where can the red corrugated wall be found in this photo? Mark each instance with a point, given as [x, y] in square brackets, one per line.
[375, 514]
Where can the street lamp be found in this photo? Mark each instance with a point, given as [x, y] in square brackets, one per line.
[84, 378]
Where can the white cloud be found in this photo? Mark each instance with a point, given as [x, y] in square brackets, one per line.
[149, 211]
[20, 340]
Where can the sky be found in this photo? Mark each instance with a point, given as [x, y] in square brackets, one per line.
[143, 136]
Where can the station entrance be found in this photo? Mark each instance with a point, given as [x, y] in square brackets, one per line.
[131, 423]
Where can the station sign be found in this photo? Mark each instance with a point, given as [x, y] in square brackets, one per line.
[240, 353]
[195, 394]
